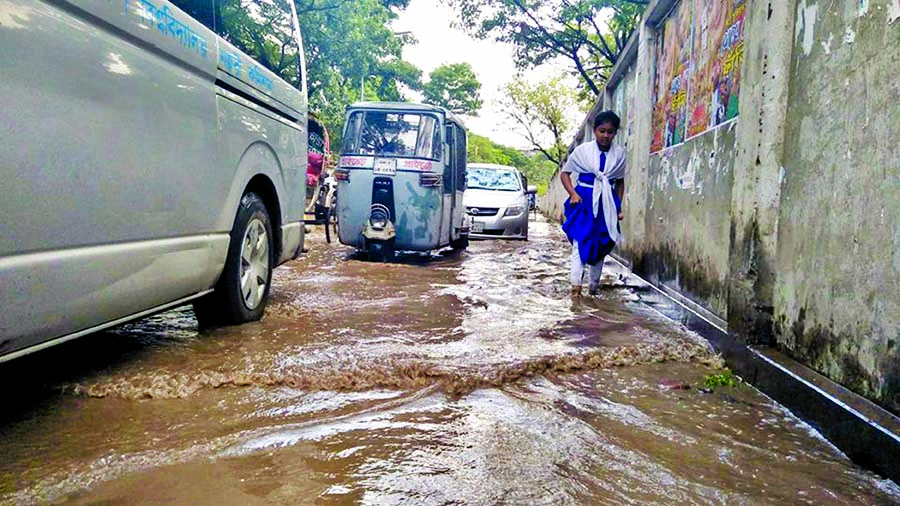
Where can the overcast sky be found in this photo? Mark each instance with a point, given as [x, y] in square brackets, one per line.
[439, 43]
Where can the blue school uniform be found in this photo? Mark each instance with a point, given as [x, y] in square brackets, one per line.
[581, 225]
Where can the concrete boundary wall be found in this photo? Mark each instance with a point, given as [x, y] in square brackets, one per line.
[784, 221]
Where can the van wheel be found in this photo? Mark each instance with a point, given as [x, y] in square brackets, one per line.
[461, 243]
[242, 292]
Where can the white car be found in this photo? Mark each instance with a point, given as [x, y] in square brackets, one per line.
[497, 200]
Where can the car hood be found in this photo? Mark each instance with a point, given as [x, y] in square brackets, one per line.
[476, 197]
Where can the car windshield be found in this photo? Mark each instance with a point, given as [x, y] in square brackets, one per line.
[492, 179]
[385, 133]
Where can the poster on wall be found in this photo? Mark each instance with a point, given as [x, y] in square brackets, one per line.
[673, 64]
[698, 69]
[718, 50]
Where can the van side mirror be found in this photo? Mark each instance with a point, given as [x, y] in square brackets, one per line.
[531, 190]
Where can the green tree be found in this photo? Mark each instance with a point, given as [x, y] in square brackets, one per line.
[455, 87]
[349, 44]
[590, 34]
[267, 34]
[541, 112]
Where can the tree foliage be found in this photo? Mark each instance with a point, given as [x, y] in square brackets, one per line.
[349, 44]
[536, 167]
[541, 111]
[455, 87]
[260, 29]
[590, 34]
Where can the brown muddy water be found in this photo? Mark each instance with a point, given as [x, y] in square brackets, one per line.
[449, 379]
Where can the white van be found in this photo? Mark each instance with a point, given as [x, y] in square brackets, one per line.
[152, 153]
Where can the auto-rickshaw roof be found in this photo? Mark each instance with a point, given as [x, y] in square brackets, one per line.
[407, 107]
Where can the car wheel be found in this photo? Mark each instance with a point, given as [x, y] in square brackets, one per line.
[242, 292]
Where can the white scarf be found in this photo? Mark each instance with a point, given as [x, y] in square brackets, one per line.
[585, 159]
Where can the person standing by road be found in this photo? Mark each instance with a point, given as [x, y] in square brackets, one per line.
[594, 207]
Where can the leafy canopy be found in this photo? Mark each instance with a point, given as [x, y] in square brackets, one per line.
[541, 111]
[455, 87]
[590, 34]
[349, 45]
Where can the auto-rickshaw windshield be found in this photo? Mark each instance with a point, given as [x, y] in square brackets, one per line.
[389, 133]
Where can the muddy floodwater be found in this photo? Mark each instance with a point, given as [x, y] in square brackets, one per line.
[466, 378]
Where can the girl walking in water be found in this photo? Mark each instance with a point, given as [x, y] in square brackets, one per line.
[594, 177]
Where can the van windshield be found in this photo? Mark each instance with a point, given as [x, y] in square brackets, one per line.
[491, 179]
[384, 133]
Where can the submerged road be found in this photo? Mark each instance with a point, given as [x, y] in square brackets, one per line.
[465, 378]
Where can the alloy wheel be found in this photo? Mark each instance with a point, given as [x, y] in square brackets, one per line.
[254, 263]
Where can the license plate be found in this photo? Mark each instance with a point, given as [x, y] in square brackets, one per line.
[385, 166]
[477, 227]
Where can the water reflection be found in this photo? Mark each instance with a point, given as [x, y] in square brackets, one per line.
[116, 65]
[15, 15]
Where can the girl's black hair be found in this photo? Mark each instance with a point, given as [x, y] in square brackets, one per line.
[607, 117]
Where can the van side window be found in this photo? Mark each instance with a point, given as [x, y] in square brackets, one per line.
[264, 30]
[201, 10]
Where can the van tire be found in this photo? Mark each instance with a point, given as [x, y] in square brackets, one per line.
[233, 302]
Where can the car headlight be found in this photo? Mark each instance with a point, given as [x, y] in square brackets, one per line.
[514, 210]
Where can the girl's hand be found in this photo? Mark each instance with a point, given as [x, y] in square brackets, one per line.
[621, 216]
[574, 199]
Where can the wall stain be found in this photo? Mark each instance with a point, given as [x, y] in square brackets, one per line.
[829, 353]
[690, 275]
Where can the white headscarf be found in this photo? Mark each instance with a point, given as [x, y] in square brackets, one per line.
[585, 159]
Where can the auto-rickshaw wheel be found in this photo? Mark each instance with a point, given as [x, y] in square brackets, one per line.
[328, 225]
[461, 243]
[331, 225]
[380, 251]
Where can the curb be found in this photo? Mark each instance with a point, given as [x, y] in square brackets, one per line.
[868, 434]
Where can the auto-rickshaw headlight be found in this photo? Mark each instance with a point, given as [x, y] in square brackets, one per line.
[379, 216]
[378, 222]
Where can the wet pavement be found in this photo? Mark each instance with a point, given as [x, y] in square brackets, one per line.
[466, 378]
